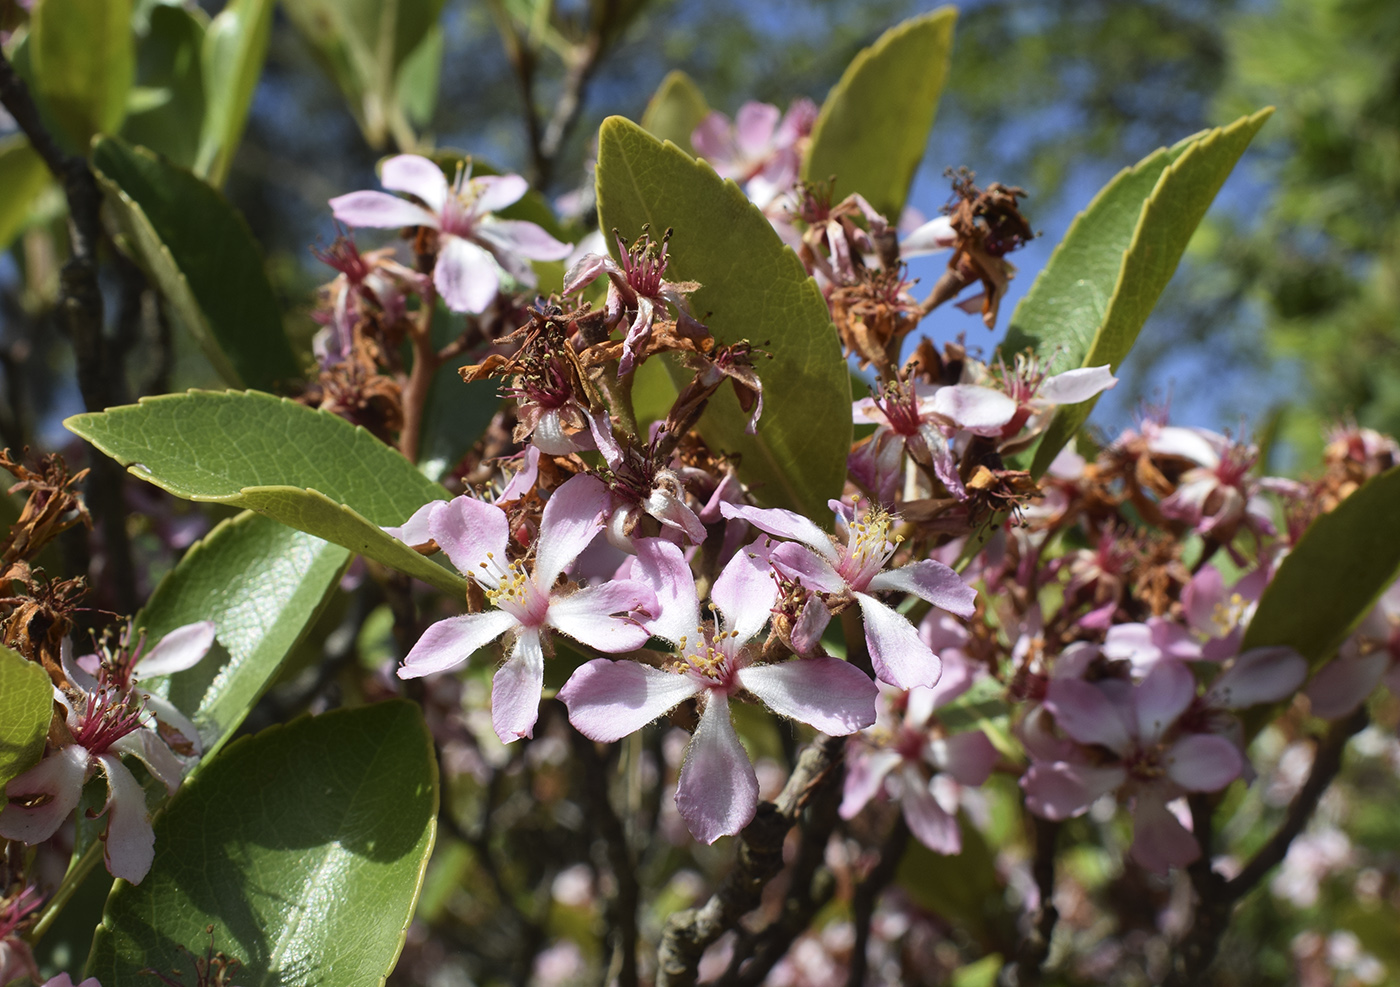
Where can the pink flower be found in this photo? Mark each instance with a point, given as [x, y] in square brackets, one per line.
[717, 793]
[761, 149]
[1368, 657]
[475, 536]
[1128, 738]
[474, 247]
[903, 756]
[16, 958]
[64, 980]
[637, 287]
[856, 571]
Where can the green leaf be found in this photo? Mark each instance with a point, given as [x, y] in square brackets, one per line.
[26, 707]
[200, 252]
[303, 846]
[419, 77]
[83, 59]
[755, 288]
[675, 110]
[875, 123]
[23, 176]
[167, 66]
[1333, 576]
[1091, 300]
[307, 469]
[964, 888]
[231, 61]
[262, 584]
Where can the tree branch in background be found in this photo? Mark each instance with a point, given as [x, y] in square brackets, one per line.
[868, 893]
[621, 910]
[1026, 968]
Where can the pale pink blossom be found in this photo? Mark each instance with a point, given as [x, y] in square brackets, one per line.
[1370, 656]
[527, 603]
[717, 793]
[851, 568]
[474, 246]
[761, 149]
[16, 958]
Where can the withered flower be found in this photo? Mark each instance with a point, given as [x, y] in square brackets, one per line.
[988, 225]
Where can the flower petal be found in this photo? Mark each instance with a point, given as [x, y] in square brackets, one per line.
[935, 235]
[380, 211]
[784, 524]
[930, 824]
[449, 643]
[931, 581]
[973, 407]
[1087, 715]
[182, 648]
[865, 777]
[1059, 790]
[662, 566]
[472, 533]
[1203, 762]
[899, 655]
[969, 757]
[717, 793]
[754, 125]
[52, 788]
[129, 841]
[495, 192]
[572, 518]
[587, 615]
[466, 276]
[1162, 697]
[415, 531]
[1344, 683]
[516, 688]
[745, 592]
[826, 693]
[1260, 675]
[524, 239]
[1160, 842]
[798, 562]
[153, 752]
[166, 712]
[1074, 386]
[418, 176]
[608, 700]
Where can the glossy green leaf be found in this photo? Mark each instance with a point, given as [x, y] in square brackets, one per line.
[755, 288]
[875, 123]
[23, 176]
[675, 110]
[83, 59]
[168, 67]
[1090, 302]
[235, 46]
[200, 252]
[1333, 576]
[307, 469]
[26, 707]
[262, 584]
[303, 846]
[363, 44]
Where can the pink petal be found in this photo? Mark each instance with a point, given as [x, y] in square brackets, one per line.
[935, 235]
[825, 693]
[166, 712]
[754, 125]
[710, 139]
[745, 593]
[969, 757]
[931, 581]
[130, 843]
[1061, 790]
[1160, 842]
[1146, 644]
[182, 648]
[608, 700]
[930, 824]
[59, 777]
[466, 275]
[865, 776]
[416, 531]
[1201, 599]
[661, 565]
[980, 410]
[153, 752]
[1087, 715]
[380, 211]
[807, 633]
[1074, 386]
[516, 688]
[417, 176]
[1162, 697]
[798, 562]
[1260, 675]
[1195, 444]
[899, 655]
[588, 269]
[672, 511]
[784, 524]
[524, 239]
[1203, 762]
[1344, 683]
[572, 518]
[473, 533]
[587, 615]
[449, 643]
[717, 793]
[495, 192]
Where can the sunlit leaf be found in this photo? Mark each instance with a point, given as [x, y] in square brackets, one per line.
[231, 62]
[675, 110]
[26, 707]
[83, 58]
[23, 176]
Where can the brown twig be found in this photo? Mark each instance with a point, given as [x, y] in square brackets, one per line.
[760, 857]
